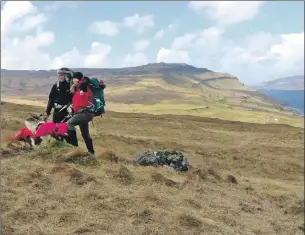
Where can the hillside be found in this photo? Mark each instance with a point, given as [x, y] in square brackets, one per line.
[286, 83]
[160, 89]
[230, 189]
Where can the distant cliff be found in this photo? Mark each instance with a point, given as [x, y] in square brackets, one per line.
[286, 83]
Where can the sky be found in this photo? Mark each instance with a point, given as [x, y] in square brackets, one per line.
[255, 41]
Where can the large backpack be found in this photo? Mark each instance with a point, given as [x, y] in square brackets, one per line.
[98, 97]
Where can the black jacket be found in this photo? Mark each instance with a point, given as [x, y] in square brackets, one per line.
[60, 95]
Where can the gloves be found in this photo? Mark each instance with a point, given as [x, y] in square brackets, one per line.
[70, 110]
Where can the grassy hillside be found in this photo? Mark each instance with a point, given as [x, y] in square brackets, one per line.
[161, 89]
[245, 179]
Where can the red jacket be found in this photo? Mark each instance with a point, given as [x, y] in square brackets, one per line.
[82, 99]
[49, 128]
[23, 134]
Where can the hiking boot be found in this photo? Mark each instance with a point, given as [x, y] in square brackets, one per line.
[72, 138]
[89, 145]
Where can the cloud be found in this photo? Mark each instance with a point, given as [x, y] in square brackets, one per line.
[264, 56]
[95, 58]
[26, 52]
[20, 16]
[258, 57]
[23, 53]
[58, 5]
[173, 56]
[139, 23]
[141, 45]
[136, 22]
[107, 28]
[289, 54]
[160, 33]
[71, 58]
[183, 42]
[227, 12]
[136, 59]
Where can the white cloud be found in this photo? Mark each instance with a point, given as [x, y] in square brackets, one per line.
[26, 52]
[139, 23]
[141, 45]
[264, 56]
[136, 59]
[95, 58]
[173, 56]
[106, 27]
[227, 12]
[289, 54]
[252, 59]
[183, 42]
[23, 53]
[19, 16]
[71, 58]
[161, 33]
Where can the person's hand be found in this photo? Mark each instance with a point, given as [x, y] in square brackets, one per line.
[69, 109]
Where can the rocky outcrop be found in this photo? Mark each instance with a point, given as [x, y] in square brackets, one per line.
[169, 158]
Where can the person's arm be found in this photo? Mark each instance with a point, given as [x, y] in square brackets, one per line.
[52, 97]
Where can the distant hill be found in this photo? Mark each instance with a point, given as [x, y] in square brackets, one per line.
[152, 68]
[157, 88]
[285, 83]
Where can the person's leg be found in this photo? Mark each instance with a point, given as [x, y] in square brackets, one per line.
[84, 128]
[77, 120]
[72, 137]
[59, 116]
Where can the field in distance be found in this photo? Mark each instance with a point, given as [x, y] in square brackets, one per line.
[161, 89]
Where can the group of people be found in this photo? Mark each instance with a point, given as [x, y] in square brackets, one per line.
[72, 91]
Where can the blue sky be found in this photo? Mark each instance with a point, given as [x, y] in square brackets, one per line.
[255, 41]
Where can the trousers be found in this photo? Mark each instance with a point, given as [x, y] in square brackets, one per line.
[82, 120]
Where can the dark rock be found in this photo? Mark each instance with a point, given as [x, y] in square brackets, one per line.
[170, 158]
[231, 179]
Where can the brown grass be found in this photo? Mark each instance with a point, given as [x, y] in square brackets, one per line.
[245, 179]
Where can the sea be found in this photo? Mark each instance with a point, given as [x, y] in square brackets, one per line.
[291, 98]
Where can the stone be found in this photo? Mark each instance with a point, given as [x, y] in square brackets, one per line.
[170, 158]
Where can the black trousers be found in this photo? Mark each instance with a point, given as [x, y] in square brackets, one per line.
[82, 120]
[59, 116]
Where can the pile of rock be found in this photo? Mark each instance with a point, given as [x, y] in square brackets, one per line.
[169, 158]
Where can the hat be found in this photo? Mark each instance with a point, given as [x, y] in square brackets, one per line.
[78, 75]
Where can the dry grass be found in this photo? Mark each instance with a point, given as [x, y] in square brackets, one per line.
[245, 179]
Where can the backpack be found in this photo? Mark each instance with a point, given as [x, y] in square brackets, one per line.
[98, 97]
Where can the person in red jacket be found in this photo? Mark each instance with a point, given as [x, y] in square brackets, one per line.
[82, 99]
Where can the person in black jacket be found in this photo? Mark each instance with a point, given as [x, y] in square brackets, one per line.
[60, 95]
